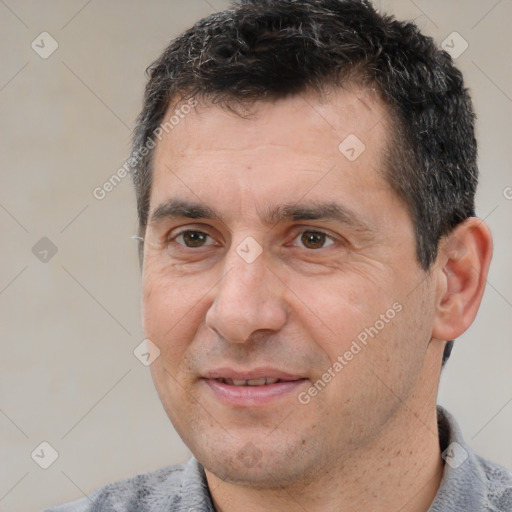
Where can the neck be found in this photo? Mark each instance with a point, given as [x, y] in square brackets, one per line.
[400, 470]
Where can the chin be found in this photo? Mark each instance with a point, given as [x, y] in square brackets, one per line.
[259, 461]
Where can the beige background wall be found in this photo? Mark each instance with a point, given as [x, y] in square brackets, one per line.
[69, 325]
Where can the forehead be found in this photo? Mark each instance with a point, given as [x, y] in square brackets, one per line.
[302, 145]
[292, 120]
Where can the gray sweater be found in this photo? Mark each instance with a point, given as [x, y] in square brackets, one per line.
[469, 484]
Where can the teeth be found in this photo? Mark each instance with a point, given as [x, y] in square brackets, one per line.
[256, 382]
[249, 382]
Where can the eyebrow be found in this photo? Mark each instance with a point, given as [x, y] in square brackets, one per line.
[328, 211]
[178, 208]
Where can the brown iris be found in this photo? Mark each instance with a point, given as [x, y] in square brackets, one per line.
[194, 238]
[313, 239]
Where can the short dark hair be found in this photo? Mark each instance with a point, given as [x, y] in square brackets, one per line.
[267, 49]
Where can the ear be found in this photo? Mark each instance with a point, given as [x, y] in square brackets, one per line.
[462, 266]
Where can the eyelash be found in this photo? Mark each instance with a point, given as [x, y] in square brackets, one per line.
[298, 235]
[181, 233]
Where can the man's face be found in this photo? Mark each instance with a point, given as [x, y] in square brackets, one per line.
[272, 253]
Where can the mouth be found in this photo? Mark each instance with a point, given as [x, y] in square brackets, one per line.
[260, 387]
[250, 382]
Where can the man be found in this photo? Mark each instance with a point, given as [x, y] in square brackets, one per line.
[305, 174]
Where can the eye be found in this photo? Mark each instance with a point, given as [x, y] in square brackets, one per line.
[314, 239]
[192, 238]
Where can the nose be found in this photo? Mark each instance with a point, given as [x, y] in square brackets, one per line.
[249, 298]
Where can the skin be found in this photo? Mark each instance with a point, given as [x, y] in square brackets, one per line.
[368, 440]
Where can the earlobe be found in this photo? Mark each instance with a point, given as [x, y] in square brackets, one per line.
[462, 266]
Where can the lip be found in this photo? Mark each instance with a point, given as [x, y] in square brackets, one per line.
[253, 396]
[256, 373]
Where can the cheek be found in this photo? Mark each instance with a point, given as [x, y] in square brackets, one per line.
[170, 313]
[339, 310]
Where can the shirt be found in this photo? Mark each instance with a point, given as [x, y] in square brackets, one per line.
[469, 484]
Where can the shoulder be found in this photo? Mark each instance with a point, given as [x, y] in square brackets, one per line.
[470, 482]
[498, 483]
[164, 489]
